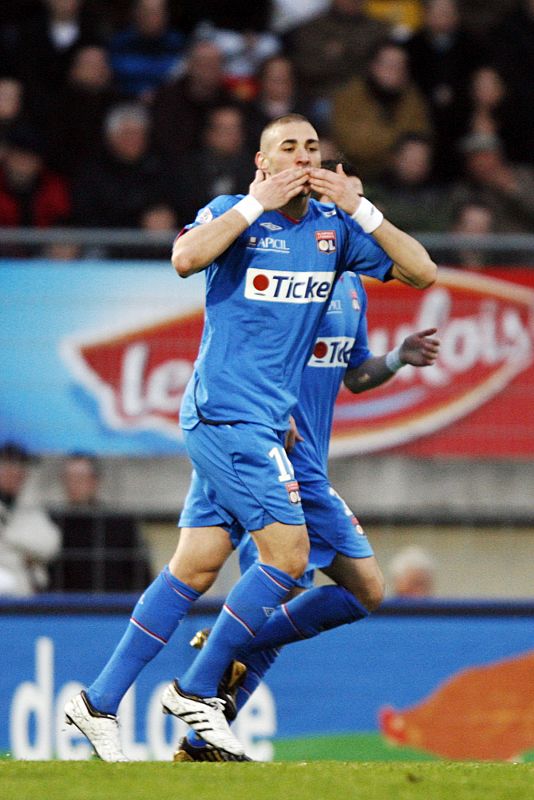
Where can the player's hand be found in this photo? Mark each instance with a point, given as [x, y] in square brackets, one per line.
[343, 190]
[420, 349]
[292, 436]
[274, 191]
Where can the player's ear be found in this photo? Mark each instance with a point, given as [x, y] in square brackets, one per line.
[261, 161]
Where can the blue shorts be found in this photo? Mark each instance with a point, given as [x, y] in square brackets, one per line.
[332, 529]
[244, 474]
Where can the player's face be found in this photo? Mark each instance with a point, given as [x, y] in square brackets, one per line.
[290, 145]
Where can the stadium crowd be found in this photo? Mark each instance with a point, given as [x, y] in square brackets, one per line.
[135, 114]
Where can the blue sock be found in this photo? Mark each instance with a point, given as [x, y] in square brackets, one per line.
[154, 619]
[307, 615]
[257, 665]
[259, 590]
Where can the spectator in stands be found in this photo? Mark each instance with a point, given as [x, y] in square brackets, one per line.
[407, 192]
[371, 113]
[102, 550]
[87, 98]
[43, 46]
[243, 52]
[442, 57]
[277, 95]
[221, 165]
[147, 52]
[30, 194]
[181, 107]
[473, 218]
[330, 49]
[491, 110]
[413, 573]
[508, 189]
[12, 112]
[28, 537]
[114, 189]
[512, 49]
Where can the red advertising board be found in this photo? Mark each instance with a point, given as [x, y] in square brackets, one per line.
[478, 400]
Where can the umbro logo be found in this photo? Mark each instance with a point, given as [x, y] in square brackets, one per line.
[271, 226]
[268, 611]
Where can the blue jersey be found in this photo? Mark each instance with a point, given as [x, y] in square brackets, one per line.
[341, 344]
[265, 298]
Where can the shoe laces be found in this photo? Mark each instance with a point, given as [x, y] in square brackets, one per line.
[216, 702]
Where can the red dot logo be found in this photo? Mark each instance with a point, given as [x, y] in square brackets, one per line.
[260, 283]
[320, 350]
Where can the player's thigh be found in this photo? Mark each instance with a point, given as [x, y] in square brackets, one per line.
[245, 474]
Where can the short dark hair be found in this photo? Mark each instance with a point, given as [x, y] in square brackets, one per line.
[283, 120]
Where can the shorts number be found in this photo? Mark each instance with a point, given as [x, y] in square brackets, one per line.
[285, 467]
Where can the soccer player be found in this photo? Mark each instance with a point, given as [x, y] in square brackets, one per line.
[272, 258]
[338, 544]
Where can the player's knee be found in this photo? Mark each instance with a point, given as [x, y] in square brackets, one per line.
[294, 561]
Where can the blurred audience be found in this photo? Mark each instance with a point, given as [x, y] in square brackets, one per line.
[407, 192]
[442, 58]
[30, 194]
[88, 95]
[412, 573]
[43, 45]
[506, 188]
[475, 219]
[115, 188]
[221, 165]
[13, 113]
[102, 550]
[147, 52]
[371, 113]
[512, 50]
[491, 108]
[28, 537]
[330, 49]
[181, 106]
[243, 52]
[276, 95]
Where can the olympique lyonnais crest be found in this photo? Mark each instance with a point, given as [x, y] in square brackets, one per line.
[485, 324]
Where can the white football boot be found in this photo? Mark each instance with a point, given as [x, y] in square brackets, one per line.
[204, 714]
[102, 730]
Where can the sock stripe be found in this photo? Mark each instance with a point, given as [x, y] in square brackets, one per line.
[273, 579]
[238, 619]
[177, 591]
[292, 622]
[148, 631]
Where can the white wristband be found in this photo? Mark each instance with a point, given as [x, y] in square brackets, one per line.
[393, 362]
[368, 216]
[250, 208]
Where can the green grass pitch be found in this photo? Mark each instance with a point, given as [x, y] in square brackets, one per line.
[319, 780]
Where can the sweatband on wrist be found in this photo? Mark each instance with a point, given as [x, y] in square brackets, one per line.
[250, 208]
[368, 216]
[393, 362]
